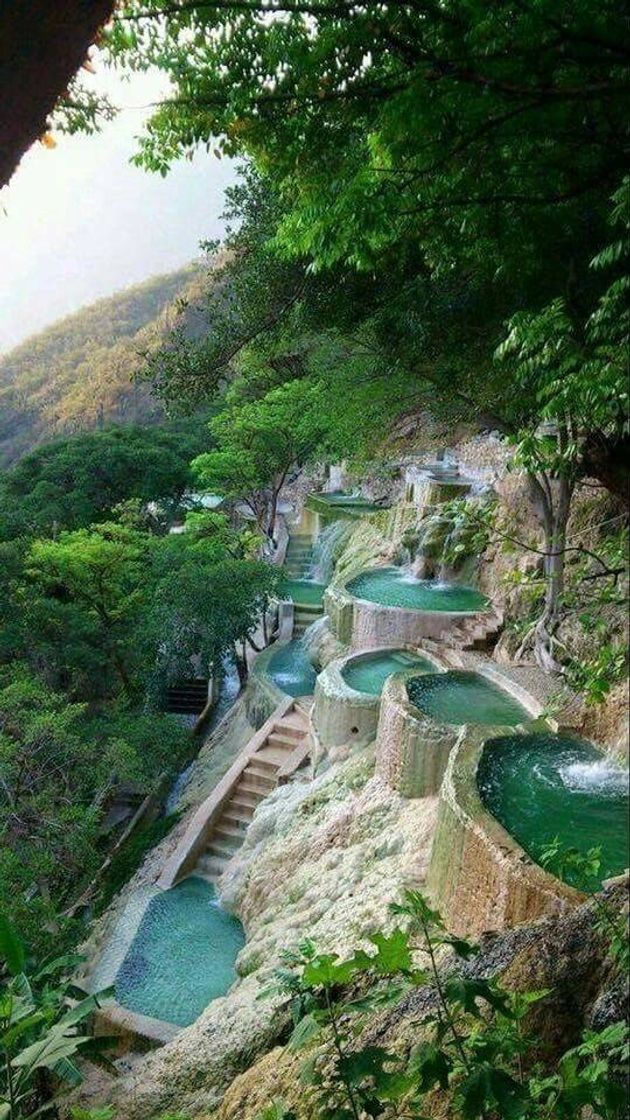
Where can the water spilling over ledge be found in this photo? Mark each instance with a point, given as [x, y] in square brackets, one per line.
[395, 587]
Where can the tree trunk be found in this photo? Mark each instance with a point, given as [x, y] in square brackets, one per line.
[552, 502]
[240, 660]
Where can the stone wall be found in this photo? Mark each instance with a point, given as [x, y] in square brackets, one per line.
[412, 751]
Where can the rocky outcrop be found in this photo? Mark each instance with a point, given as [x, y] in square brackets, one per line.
[564, 954]
[321, 859]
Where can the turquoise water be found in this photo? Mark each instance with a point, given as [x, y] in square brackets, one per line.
[542, 786]
[291, 670]
[394, 588]
[302, 591]
[182, 956]
[369, 672]
[460, 697]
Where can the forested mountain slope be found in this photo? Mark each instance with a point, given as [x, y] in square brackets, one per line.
[78, 373]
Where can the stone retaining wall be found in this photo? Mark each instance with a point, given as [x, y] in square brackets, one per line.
[363, 625]
[412, 751]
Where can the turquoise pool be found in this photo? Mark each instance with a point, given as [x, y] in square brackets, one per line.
[182, 956]
[463, 697]
[545, 786]
[302, 591]
[393, 587]
[369, 671]
[291, 670]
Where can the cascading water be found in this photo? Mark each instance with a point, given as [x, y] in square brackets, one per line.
[228, 691]
[324, 550]
[291, 667]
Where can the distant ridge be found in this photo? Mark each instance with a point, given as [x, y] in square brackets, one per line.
[78, 373]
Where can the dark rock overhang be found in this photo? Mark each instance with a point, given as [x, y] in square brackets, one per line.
[43, 44]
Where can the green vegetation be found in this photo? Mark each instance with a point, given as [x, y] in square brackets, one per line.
[39, 1016]
[101, 609]
[78, 373]
[73, 482]
[477, 1047]
[425, 214]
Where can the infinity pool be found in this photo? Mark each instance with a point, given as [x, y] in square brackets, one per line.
[182, 956]
[393, 587]
[463, 697]
[291, 670]
[545, 786]
[369, 671]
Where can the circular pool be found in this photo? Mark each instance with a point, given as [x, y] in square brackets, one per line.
[369, 671]
[544, 786]
[459, 697]
[393, 587]
[291, 670]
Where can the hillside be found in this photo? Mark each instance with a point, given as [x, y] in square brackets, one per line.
[78, 372]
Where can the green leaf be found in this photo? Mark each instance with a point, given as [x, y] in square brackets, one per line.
[307, 1030]
[11, 948]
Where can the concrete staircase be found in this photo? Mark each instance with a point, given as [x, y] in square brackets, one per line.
[479, 632]
[220, 825]
[303, 615]
[299, 557]
[187, 697]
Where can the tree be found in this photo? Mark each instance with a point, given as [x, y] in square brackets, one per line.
[397, 123]
[258, 443]
[73, 482]
[60, 764]
[88, 592]
[575, 372]
[210, 592]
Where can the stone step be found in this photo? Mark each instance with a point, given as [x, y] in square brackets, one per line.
[275, 756]
[284, 742]
[219, 851]
[236, 819]
[252, 790]
[292, 725]
[241, 807]
[210, 867]
[263, 763]
[227, 834]
[259, 778]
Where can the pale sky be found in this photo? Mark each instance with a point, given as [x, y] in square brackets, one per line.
[79, 222]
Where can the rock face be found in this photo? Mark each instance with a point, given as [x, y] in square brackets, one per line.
[322, 859]
[564, 954]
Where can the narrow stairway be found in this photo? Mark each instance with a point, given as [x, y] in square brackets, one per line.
[187, 697]
[479, 632]
[299, 557]
[261, 775]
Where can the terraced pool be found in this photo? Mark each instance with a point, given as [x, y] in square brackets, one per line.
[369, 671]
[182, 956]
[463, 697]
[393, 587]
[545, 786]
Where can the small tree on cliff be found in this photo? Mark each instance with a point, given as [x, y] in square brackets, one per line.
[259, 442]
[574, 370]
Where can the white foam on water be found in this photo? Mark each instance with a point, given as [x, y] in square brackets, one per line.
[602, 776]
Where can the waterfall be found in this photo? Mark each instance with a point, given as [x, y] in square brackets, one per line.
[324, 550]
